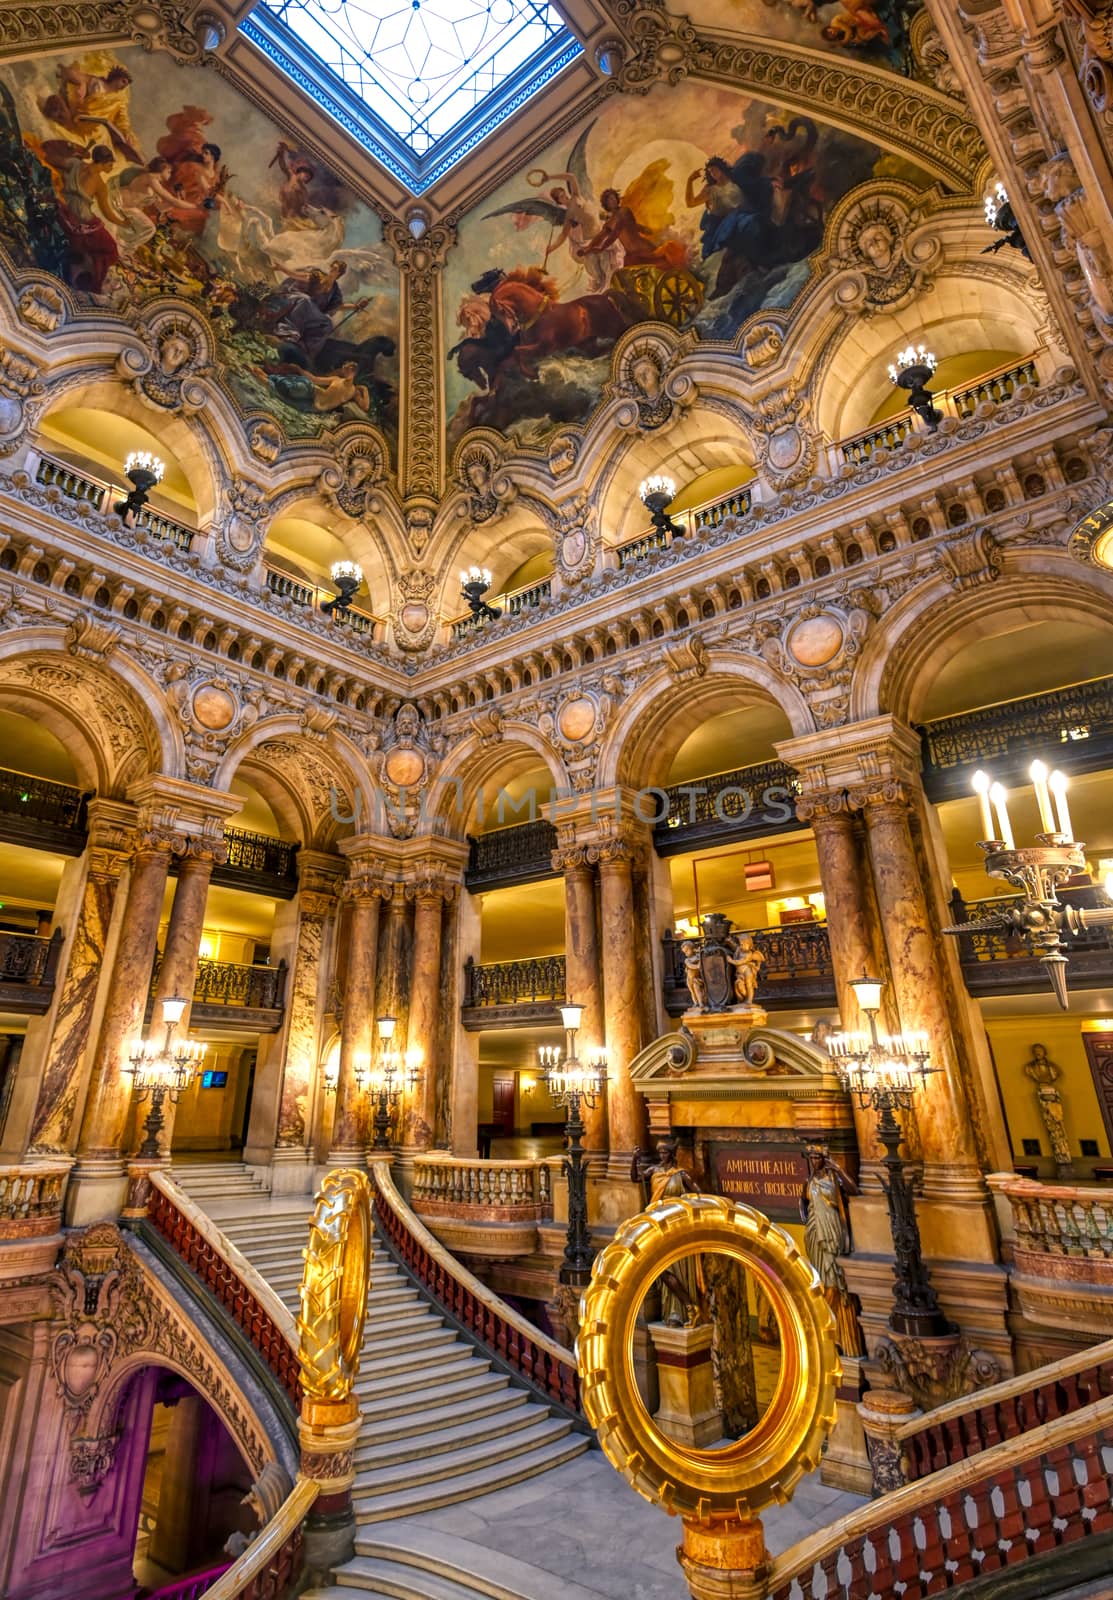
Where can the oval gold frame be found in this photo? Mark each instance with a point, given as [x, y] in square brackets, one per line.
[764, 1466]
[335, 1285]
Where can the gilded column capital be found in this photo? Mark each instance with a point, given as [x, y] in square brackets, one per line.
[818, 805]
[617, 845]
[570, 858]
[431, 888]
[881, 792]
[364, 884]
[864, 763]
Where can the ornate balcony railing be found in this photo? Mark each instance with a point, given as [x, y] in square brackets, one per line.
[511, 604]
[28, 968]
[101, 495]
[1059, 1237]
[519, 854]
[998, 962]
[996, 386]
[228, 983]
[31, 1198]
[710, 515]
[257, 862]
[500, 1190]
[42, 814]
[797, 969]
[1074, 727]
[747, 803]
[506, 992]
[304, 593]
[515, 1344]
[248, 1300]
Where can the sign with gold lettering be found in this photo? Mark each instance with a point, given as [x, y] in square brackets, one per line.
[769, 1177]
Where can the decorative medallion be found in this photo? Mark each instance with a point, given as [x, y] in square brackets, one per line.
[816, 640]
[213, 707]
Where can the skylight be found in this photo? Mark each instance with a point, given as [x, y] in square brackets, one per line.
[417, 82]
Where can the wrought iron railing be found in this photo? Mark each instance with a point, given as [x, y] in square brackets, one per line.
[998, 386]
[519, 854]
[30, 959]
[512, 983]
[259, 855]
[511, 604]
[228, 983]
[513, 1341]
[699, 519]
[1073, 727]
[797, 967]
[749, 802]
[995, 960]
[304, 593]
[501, 1190]
[102, 496]
[39, 803]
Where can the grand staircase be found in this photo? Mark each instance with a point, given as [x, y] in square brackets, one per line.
[440, 1423]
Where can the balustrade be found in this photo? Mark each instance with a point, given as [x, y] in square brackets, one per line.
[304, 593]
[537, 980]
[693, 523]
[511, 604]
[28, 968]
[58, 804]
[513, 1189]
[797, 967]
[1073, 726]
[996, 386]
[31, 1198]
[230, 983]
[102, 496]
[519, 854]
[745, 803]
[1070, 1224]
[514, 1342]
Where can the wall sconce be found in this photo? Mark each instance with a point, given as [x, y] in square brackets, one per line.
[144, 470]
[658, 492]
[1000, 215]
[474, 583]
[913, 370]
[347, 576]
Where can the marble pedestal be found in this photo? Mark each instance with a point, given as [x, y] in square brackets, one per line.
[292, 1170]
[721, 1035]
[96, 1191]
[687, 1412]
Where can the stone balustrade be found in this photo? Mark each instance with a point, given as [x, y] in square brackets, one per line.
[500, 1190]
[31, 1196]
[1060, 1240]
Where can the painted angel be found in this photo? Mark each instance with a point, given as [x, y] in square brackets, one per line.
[573, 215]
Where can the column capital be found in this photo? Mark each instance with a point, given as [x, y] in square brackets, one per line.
[570, 858]
[432, 883]
[112, 836]
[867, 763]
[181, 817]
[319, 879]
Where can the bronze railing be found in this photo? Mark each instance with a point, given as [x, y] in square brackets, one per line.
[749, 802]
[41, 814]
[512, 983]
[797, 968]
[1072, 728]
[28, 969]
[996, 961]
[228, 983]
[258, 862]
[522, 853]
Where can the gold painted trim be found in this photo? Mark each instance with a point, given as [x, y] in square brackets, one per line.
[335, 1286]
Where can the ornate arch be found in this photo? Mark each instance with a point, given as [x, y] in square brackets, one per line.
[319, 776]
[476, 762]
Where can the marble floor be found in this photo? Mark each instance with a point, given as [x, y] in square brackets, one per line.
[585, 1527]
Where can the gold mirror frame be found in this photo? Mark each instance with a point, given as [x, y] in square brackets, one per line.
[765, 1465]
[335, 1285]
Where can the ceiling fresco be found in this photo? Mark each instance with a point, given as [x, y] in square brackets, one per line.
[871, 31]
[128, 179]
[695, 206]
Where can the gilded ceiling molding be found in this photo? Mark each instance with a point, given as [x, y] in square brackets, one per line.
[420, 256]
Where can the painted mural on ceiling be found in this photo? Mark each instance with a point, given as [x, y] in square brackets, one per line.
[695, 206]
[129, 179]
[873, 31]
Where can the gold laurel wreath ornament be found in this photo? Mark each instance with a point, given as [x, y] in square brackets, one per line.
[717, 1493]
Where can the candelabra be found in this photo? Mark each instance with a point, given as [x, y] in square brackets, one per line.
[657, 492]
[160, 1073]
[913, 370]
[474, 583]
[144, 470]
[574, 1085]
[347, 576]
[1039, 916]
[390, 1081]
[883, 1075]
[999, 214]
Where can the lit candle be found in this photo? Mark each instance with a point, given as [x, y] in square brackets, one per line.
[1058, 782]
[1038, 774]
[981, 789]
[1004, 826]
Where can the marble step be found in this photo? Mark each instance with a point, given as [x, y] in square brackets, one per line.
[469, 1453]
[467, 1485]
[419, 1332]
[431, 1366]
[495, 1407]
[389, 1580]
[420, 1557]
[460, 1381]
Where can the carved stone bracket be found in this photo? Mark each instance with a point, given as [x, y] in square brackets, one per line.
[933, 1371]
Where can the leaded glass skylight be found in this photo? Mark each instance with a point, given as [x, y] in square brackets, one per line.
[418, 82]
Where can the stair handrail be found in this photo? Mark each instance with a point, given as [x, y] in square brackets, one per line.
[520, 1346]
[192, 1586]
[173, 1199]
[1090, 1430]
[272, 1561]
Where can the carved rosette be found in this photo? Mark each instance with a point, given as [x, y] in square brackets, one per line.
[212, 711]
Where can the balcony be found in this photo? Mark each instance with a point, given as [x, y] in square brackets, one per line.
[996, 387]
[1076, 722]
[996, 962]
[520, 854]
[748, 803]
[260, 864]
[304, 593]
[700, 520]
[101, 496]
[512, 994]
[797, 970]
[28, 965]
[483, 1208]
[230, 997]
[1060, 1240]
[42, 815]
[511, 604]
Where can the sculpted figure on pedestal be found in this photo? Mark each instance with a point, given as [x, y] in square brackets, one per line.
[827, 1237]
[747, 962]
[1045, 1074]
[683, 1290]
[1079, 232]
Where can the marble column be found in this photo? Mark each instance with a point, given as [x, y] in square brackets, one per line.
[429, 895]
[582, 984]
[99, 1172]
[625, 1112]
[392, 990]
[357, 1026]
[304, 1001]
[181, 952]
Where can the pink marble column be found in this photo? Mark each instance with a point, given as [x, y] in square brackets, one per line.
[303, 1013]
[625, 1111]
[942, 1113]
[357, 1027]
[178, 972]
[106, 1107]
[582, 984]
[428, 895]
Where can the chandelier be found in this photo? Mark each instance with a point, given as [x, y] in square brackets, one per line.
[474, 584]
[347, 576]
[656, 493]
[144, 470]
[913, 370]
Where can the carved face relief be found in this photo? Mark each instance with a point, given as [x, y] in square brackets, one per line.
[646, 376]
[173, 353]
[876, 243]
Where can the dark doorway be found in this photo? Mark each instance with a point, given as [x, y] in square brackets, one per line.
[502, 1104]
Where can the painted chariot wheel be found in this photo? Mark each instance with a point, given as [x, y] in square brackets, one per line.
[739, 1479]
[677, 297]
